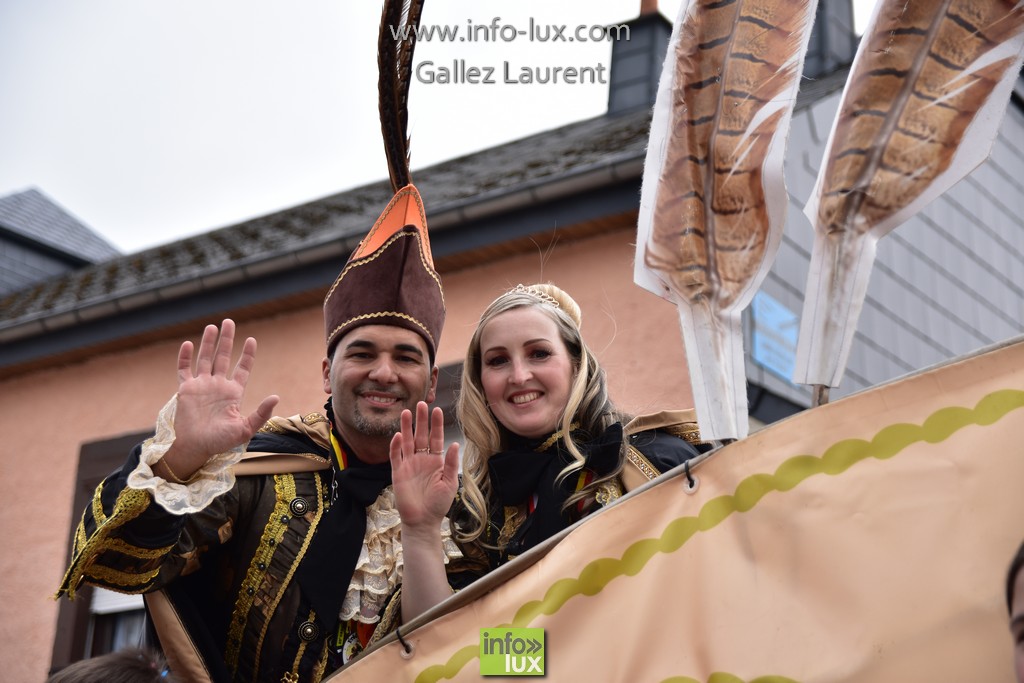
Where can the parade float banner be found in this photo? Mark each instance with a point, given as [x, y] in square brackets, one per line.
[863, 540]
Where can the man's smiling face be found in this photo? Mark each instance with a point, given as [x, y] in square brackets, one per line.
[377, 372]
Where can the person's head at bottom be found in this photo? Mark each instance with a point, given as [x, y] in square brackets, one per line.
[130, 665]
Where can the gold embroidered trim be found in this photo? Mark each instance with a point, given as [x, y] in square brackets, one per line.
[134, 551]
[98, 515]
[641, 463]
[550, 441]
[80, 537]
[130, 504]
[294, 675]
[687, 432]
[115, 577]
[271, 427]
[607, 492]
[289, 495]
[314, 418]
[381, 314]
[380, 251]
[514, 518]
[370, 258]
[391, 206]
[269, 542]
[318, 672]
[315, 457]
[388, 617]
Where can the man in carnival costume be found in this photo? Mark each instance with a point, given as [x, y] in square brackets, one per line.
[280, 560]
[277, 564]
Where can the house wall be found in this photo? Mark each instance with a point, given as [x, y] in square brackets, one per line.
[945, 283]
[47, 416]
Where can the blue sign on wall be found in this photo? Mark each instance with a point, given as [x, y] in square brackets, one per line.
[775, 332]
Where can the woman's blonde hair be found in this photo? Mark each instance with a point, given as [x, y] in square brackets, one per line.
[588, 406]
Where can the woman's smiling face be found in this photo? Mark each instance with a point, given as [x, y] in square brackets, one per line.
[526, 371]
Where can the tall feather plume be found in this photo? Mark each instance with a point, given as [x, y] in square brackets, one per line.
[713, 204]
[920, 110]
[399, 24]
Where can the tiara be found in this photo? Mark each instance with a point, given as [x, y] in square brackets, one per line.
[536, 293]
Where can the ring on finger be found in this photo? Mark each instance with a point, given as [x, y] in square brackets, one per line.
[422, 450]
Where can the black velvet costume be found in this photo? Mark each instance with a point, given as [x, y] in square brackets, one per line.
[527, 498]
[248, 588]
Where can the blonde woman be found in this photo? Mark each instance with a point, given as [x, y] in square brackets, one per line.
[544, 446]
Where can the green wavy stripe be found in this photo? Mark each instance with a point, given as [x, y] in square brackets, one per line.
[722, 677]
[838, 458]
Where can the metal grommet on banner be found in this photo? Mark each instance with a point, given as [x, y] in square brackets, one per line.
[692, 482]
[406, 652]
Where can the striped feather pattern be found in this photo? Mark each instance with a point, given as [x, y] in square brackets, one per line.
[396, 42]
[714, 200]
[923, 79]
[920, 111]
[711, 226]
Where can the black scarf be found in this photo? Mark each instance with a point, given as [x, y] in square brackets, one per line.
[326, 570]
[532, 467]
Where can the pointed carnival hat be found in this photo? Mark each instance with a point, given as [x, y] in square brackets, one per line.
[390, 278]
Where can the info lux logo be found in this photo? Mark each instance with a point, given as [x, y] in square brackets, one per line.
[512, 652]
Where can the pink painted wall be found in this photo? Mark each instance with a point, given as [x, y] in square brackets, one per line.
[46, 416]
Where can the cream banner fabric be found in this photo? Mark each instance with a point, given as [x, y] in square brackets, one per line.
[865, 540]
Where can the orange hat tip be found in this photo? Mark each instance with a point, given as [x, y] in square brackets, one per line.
[404, 210]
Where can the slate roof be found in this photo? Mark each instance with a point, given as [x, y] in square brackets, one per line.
[446, 187]
[37, 218]
[562, 162]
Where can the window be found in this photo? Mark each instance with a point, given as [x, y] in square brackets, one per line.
[116, 621]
